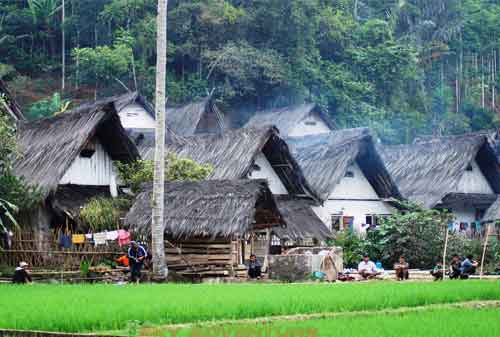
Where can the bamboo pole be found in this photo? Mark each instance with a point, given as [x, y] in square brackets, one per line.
[486, 237]
[444, 252]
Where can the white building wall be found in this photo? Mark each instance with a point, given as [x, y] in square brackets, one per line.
[267, 172]
[134, 116]
[97, 170]
[312, 125]
[353, 197]
[474, 181]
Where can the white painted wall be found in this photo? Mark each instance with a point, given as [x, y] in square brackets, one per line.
[305, 127]
[474, 181]
[267, 172]
[359, 199]
[134, 116]
[97, 170]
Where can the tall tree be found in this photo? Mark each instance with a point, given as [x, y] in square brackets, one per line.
[160, 268]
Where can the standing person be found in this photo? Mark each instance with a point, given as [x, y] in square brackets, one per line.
[401, 269]
[455, 267]
[21, 274]
[468, 267]
[437, 271]
[136, 255]
[254, 268]
[367, 269]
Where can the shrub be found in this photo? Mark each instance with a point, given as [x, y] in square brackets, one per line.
[103, 213]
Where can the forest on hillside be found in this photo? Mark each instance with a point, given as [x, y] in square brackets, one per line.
[402, 67]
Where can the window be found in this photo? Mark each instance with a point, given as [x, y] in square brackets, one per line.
[132, 114]
[88, 150]
[275, 240]
[310, 123]
[349, 174]
[469, 167]
[369, 220]
[336, 224]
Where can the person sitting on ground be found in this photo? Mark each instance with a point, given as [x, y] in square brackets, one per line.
[367, 269]
[468, 267]
[21, 274]
[136, 255]
[254, 268]
[401, 269]
[455, 264]
[437, 271]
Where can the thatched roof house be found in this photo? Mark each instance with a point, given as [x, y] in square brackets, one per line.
[303, 226]
[210, 208]
[9, 104]
[50, 147]
[430, 171]
[345, 170]
[493, 212]
[298, 120]
[138, 115]
[242, 153]
[326, 158]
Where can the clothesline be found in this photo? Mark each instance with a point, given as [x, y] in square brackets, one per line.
[101, 238]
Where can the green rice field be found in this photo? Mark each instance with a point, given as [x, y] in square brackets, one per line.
[432, 323]
[88, 308]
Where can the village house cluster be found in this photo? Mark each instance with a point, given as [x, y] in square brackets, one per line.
[286, 178]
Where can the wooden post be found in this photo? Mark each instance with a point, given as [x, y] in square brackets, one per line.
[444, 252]
[486, 237]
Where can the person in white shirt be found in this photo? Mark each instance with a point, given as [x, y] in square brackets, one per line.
[367, 269]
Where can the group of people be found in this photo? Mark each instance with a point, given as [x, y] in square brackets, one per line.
[458, 268]
[367, 269]
[135, 259]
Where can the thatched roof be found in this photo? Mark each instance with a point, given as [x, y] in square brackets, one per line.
[325, 159]
[214, 208]
[232, 154]
[201, 116]
[69, 199]
[493, 212]
[301, 221]
[429, 170]
[119, 102]
[285, 119]
[10, 104]
[47, 147]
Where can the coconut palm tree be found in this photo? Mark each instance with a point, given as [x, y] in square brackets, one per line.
[160, 268]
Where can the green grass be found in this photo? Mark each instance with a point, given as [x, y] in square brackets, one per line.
[431, 323]
[82, 308]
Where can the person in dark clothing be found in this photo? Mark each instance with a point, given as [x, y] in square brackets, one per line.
[468, 267]
[437, 271]
[21, 274]
[455, 267]
[401, 269]
[254, 268]
[136, 255]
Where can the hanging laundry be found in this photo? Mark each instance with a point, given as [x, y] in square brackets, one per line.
[89, 236]
[78, 238]
[112, 235]
[100, 238]
[123, 237]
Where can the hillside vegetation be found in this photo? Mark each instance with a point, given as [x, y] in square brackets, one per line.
[403, 67]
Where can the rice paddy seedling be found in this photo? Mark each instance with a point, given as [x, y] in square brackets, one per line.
[84, 308]
[430, 323]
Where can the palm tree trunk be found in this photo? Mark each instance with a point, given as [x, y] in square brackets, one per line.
[63, 47]
[160, 269]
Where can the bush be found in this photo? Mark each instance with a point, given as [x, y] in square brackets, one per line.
[103, 213]
[417, 233]
[176, 169]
